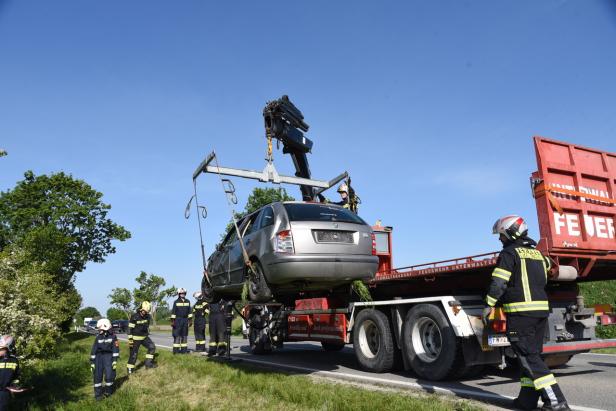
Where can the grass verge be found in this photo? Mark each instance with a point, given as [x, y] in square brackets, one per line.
[193, 383]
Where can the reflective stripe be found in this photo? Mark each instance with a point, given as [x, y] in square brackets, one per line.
[139, 337]
[182, 304]
[220, 344]
[491, 301]
[130, 337]
[190, 315]
[183, 345]
[116, 354]
[527, 295]
[207, 311]
[130, 366]
[501, 273]
[149, 356]
[177, 345]
[212, 344]
[100, 384]
[526, 382]
[544, 381]
[131, 325]
[10, 365]
[200, 341]
[172, 315]
[108, 384]
[93, 356]
[531, 306]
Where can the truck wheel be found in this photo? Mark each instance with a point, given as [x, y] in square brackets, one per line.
[258, 290]
[429, 342]
[372, 341]
[332, 346]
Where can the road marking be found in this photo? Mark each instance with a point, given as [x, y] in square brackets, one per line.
[430, 388]
[597, 353]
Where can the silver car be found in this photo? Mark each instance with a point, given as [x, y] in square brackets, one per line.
[294, 247]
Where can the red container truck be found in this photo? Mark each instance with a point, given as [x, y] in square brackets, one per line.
[426, 317]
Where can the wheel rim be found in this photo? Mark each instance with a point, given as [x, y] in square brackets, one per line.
[427, 339]
[369, 339]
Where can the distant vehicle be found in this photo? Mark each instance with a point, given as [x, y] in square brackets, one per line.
[91, 326]
[294, 247]
[86, 321]
[120, 326]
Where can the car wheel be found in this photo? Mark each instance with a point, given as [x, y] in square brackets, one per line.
[372, 341]
[258, 290]
[208, 293]
[429, 343]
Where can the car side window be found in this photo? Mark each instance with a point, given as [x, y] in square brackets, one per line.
[267, 217]
[251, 226]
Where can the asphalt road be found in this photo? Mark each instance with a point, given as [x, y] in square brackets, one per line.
[588, 381]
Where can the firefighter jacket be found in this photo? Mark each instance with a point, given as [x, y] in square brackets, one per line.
[200, 309]
[217, 308]
[138, 326]
[105, 342]
[9, 371]
[181, 308]
[519, 280]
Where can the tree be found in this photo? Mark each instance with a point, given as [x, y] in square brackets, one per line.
[3, 153]
[258, 198]
[61, 215]
[151, 289]
[87, 312]
[163, 312]
[122, 299]
[115, 314]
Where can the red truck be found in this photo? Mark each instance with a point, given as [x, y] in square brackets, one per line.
[426, 317]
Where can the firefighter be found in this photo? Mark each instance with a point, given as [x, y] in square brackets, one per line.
[218, 344]
[138, 334]
[518, 282]
[343, 190]
[9, 371]
[200, 310]
[104, 359]
[181, 320]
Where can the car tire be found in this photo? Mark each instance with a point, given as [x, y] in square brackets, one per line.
[332, 346]
[258, 289]
[373, 342]
[430, 343]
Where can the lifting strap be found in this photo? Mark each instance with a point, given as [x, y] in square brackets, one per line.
[541, 189]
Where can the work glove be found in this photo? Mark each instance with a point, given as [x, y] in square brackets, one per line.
[92, 367]
[113, 365]
[485, 315]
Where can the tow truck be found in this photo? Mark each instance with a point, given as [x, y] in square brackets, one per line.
[427, 317]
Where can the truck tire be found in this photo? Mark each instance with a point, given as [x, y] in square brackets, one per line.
[258, 290]
[332, 346]
[372, 341]
[430, 345]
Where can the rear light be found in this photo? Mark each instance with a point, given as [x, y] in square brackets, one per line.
[373, 244]
[284, 242]
[499, 324]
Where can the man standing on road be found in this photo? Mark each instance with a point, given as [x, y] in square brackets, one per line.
[218, 344]
[181, 319]
[519, 281]
[200, 310]
[138, 334]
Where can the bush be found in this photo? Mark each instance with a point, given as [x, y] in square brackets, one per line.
[600, 292]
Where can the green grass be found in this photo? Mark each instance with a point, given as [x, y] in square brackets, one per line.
[194, 383]
[605, 351]
[600, 292]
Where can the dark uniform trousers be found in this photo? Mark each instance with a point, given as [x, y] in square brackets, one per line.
[218, 343]
[9, 375]
[103, 366]
[138, 341]
[200, 333]
[180, 335]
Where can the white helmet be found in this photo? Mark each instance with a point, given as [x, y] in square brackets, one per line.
[197, 294]
[343, 188]
[6, 341]
[511, 226]
[181, 290]
[103, 324]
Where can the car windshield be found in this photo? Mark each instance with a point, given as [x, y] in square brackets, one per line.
[320, 212]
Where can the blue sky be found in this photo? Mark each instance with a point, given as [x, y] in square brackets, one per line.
[430, 106]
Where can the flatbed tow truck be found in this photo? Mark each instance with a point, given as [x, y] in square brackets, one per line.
[427, 318]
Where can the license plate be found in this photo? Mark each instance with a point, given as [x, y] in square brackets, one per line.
[334, 236]
[499, 340]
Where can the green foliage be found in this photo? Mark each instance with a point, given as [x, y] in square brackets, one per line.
[600, 292]
[33, 307]
[361, 290]
[60, 220]
[116, 314]
[3, 153]
[122, 299]
[151, 288]
[258, 198]
[163, 312]
[87, 312]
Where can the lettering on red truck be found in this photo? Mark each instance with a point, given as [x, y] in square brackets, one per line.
[594, 226]
[597, 192]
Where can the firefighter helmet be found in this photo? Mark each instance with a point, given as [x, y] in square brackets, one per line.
[181, 290]
[197, 294]
[103, 324]
[146, 306]
[6, 341]
[511, 226]
[343, 188]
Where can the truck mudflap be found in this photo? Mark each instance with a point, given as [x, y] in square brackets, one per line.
[576, 347]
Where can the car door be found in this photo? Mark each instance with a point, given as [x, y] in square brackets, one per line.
[248, 234]
[219, 271]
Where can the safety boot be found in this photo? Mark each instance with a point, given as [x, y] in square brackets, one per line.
[561, 406]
